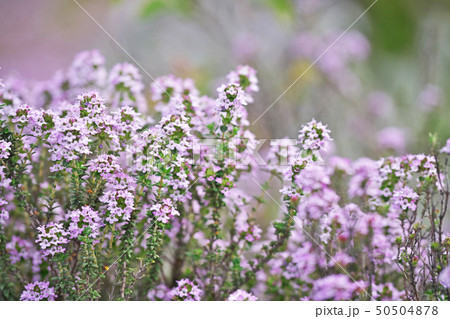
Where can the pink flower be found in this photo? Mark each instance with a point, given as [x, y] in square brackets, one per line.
[186, 290]
[52, 238]
[334, 287]
[380, 104]
[392, 138]
[314, 136]
[446, 148]
[444, 277]
[241, 295]
[37, 291]
[5, 147]
[430, 97]
[164, 211]
[405, 198]
[83, 218]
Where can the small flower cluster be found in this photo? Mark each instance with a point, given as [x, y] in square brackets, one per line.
[126, 87]
[231, 97]
[118, 198]
[365, 179]
[5, 147]
[314, 136]
[84, 221]
[87, 70]
[164, 211]
[446, 148]
[4, 215]
[169, 92]
[159, 293]
[105, 165]
[444, 277]
[334, 287]
[22, 250]
[320, 197]
[246, 77]
[247, 229]
[186, 290]
[405, 198]
[241, 295]
[37, 291]
[52, 238]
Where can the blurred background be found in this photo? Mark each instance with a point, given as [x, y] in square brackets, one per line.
[381, 88]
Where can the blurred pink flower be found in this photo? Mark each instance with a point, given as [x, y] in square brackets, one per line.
[245, 46]
[446, 148]
[430, 97]
[392, 138]
[380, 104]
[444, 277]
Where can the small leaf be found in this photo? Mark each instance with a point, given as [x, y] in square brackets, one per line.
[284, 9]
[153, 7]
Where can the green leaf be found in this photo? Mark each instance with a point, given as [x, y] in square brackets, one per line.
[153, 7]
[284, 9]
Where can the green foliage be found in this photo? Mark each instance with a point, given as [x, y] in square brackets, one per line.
[155, 7]
[284, 9]
[8, 273]
[395, 26]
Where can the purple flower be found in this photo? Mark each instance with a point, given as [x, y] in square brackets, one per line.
[118, 198]
[51, 238]
[87, 69]
[365, 180]
[37, 291]
[186, 290]
[20, 115]
[1, 84]
[334, 287]
[392, 138]
[4, 215]
[23, 250]
[171, 92]
[164, 211]
[246, 228]
[405, 199]
[446, 148]
[105, 165]
[231, 97]
[299, 263]
[126, 87]
[245, 77]
[128, 121]
[314, 136]
[318, 203]
[313, 178]
[444, 277]
[5, 147]
[83, 218]
[160, 293]
[430, 97]
[241, 295]
[380, 104]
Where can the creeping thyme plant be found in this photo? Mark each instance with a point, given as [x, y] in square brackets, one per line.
[99, 201]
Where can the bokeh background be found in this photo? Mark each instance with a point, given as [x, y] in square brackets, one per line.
[381, 88]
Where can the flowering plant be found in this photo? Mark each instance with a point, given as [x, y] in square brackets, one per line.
[99, 202]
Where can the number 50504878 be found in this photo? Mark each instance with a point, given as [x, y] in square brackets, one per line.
[406, 310]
